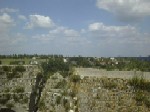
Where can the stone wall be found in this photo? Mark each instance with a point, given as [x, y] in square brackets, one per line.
[91, 72]
[107, 95]
[15, 92]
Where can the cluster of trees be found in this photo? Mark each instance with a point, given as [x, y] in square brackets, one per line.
[133, 64]
[13, 73]
[22, 56]
[55, 65]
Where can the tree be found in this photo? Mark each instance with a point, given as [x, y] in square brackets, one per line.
[20, 69]
[75, 78]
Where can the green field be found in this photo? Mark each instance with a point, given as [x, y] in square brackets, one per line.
[27, 60]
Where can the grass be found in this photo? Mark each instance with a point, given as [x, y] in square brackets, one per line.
[142, 88]
[7, 61]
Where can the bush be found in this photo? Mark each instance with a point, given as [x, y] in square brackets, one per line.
[142, 88]
[140, 83]
[108, 84]
[19, 90]
[75, 78]
[20, 69]
[12, 75]
[147, 102]
[58, 100]
[42, 105]
[25, 99]
[139, 96]
[9, 105]
[6, 68]
[3, 101]
[61, 85]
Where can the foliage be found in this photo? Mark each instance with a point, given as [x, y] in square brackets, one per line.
[147, 102]
[75, 78]
[6, 68]
[12, 75]
[5, 99]
[58, 99]
[108, 84]
[66, 104]
[25, 99]
[9, 105]
[20, 69]
[17, 62]
[140, 83]
[42, 105]
[60, 85]
[139, 96]
[55, 65]
[18, 89]
[142, 88]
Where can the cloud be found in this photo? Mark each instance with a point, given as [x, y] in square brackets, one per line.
[98, 39]
[123, 34]
[126, 10]
[39, 21]
[118, 40]
[60, 33]
[102, 31]
[22, 17]
[6, 22]
[8, 10]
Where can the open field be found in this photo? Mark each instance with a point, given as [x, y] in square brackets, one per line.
[27, 60]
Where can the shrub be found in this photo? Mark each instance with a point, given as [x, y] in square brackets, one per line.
[9, 105]
[19, 89]
[139, 96]
[140, 83]
[61, 85]
[42, 105]
[6, 68]
[3, 101]
[147, 102]
[108, 84]
[20, 69]
[75, 78]
[12, 75]
[58, 100]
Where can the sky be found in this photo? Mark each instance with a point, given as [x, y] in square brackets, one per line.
[99, 28]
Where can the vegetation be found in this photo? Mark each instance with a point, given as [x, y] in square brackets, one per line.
[9, 105]
[42, 105]
[6, 68]
[58, 99]
[12, 75]
[117, 63]
[19, 89]
[61, 85]
[56, 65]
[108, 84]
[142, 88]
[75, 78]
[19, 69]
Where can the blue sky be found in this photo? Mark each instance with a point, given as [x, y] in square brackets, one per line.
[75, 27]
